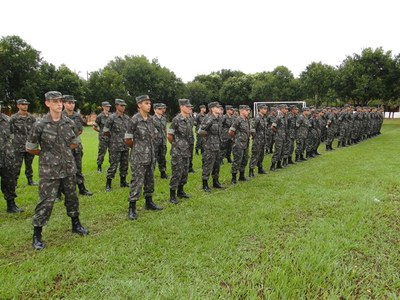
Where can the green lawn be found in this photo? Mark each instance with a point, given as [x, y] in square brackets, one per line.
[328, 228]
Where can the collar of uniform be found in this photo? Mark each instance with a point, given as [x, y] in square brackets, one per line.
[48, 119]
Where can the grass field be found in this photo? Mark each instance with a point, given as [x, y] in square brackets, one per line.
[328, 228]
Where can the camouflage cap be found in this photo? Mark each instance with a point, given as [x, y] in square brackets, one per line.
[273, 108]
[228, 107]
[68, 98]
[184, 102]
[262, 105]
[293, 107]
[282, 106]
[163, 105]
[213, 104]
[157, 105]
[120, 102]
[105, 103]
[202, 106]
[22, 101]
[244, 107]
[305, 109]
[53, 95]
[142, 98]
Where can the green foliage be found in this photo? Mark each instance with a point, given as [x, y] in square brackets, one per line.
[327, 228]
[236, 90]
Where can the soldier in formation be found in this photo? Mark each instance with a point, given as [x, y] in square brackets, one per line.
[160, 122]
[259, 140]
[104, 140]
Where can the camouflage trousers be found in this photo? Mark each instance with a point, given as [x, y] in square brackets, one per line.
[289, 147]
[330, 135]
[8, 183]
[104, 144]
[279, 148]
[180, 170]
[257, 154]
[48, 189]
[269, 143]
[78, 154]
[211, 164]
[142, 177]
[300, 145]
[240, 159]
[19, 158]
[199, 143]
[120, 158]
[311, 140]
[343, 133]
[161, 151]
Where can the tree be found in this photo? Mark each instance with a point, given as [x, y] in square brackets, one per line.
[198, 93]
[237, 90]
[213, 82]
[19, 63]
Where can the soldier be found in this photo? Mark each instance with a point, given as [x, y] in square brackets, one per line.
[291, 136]
[210, 131]
[259, 132]
[115, 128]
[197, 122]
[104, 141]
[21, 124]
[160, 121]
[270, 119]
[240, 133]
[330, 128]
[179, 135]
[191, 142]
[226, 141]
[312, 135]
[140, 136]
[52, 138]
[302, 125]
[69, 106]
[279, 132]
[7, 164]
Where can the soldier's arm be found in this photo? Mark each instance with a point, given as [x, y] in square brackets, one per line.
[171, 131]
[129, 133]
[107, 127]
[32, 143]
[233, 128]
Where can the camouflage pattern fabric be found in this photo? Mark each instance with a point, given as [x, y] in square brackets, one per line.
[210, 130]
[197, 122]
[302, 125]
[240, 148]
[104, 141]
[161, 141]
[259, 141]
[279, 137]
[226, 140]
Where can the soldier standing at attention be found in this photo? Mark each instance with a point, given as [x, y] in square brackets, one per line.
[104, 141]
[21, 124]
[259, 140]
[160, 121]
[210, 131]
[7, 165]
[279, 130]
[291, 136]
[52, 138]
[179, 135]
[226, 141]
[69, 106]
[240, 132]
[330, 128]
[197, 122]
[302, 125]
[115, 128]
[140, 136]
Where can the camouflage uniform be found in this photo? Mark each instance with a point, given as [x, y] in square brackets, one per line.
[330, 130]
[259, 131]
[197, 122]
[7, 164]
[290, 138]
[269, 144]
[20, 129]
[182, 131]
[226, 140]
[191, 143]
[142, 158]
[117, 125]
[161, 143]
[311, 137]
[104, 141]
[279, 126]
[240, 149]
[57, 166]
[302, 125]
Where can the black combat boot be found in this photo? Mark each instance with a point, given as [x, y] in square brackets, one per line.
[241, 177]
[273, 167]
[229, 159]
[77, 227]
[122, 182]
[31, 182]
[99, 170]
[290, 161]
[261, 170]
[348, 142]
[339, 144]
[316, 153]
[297, 158]
[284, 163]
[279, 165]
[206, 188]
[108, 185]
[330, 147]
[150, 204]
[164, 175]
[172, 197]
[217, 184]
[302, 157]
[83, 190]
[251, 172]
[37, 242]
[181, 193]
[327, 148]
[233, 178]
[308, 154]
[12, 207]
[132, 210]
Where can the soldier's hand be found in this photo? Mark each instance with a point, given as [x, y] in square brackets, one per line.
[107, 133]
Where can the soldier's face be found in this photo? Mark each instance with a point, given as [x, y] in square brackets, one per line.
[244, 113]
[145, 106]
[54, 105]
[186, 109]
[159, 111]
[69, 106]
[106, 108]
[120, 108]
[23, 107]
[263, 111]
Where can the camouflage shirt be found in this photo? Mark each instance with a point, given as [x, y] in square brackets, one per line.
[260, 129]
[20, 128]
[241, 127]
[280, 125]
[100, 123]
[161, 125]
[117, 125]
[143, 134]
[291, 125]
[6, 149]
[302, 125]
[198, 120]
[77, 120]
[211, 127]
[54, 139]
[226, 123]
[182, 130]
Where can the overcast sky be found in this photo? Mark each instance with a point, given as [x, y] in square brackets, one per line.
[198, 37]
